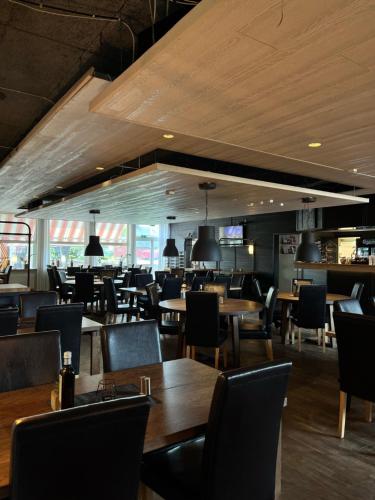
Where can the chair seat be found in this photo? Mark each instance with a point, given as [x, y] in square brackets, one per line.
[253, 330]
[168, 327]
[223, 335]
[174, 473]
[126, 309]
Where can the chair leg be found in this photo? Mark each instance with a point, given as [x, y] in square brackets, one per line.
[188, 351]
[324, 339]
[217, 357]
[293, 333]
[269, 349]
[299, 340]
[288, 333]
[225, 356]
[193, 352]
[317, 331]
[342, 415]
[368, 411]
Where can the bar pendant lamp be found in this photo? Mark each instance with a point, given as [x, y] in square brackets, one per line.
[206, 247]
[170, 249]
[308, 250]
[94, 248]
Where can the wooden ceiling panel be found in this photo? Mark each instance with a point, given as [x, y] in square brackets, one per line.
[140, 197]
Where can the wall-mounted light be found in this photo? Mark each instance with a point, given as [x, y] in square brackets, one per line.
[250, 249]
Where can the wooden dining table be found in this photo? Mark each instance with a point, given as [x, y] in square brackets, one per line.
[12, 288]
[98, 283]
[182, 390]
[288, 298]
[230, 307]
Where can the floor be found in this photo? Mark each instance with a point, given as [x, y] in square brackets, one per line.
[316, 464]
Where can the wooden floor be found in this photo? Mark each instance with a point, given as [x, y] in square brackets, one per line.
[316, 464]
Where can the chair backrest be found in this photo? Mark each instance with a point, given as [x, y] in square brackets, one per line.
[197, 282]
[226, 280]
[8, 321]
[134, 271]
[297, 283]
[29, 302]
[356, 347]
[160, 277]
[84, 287]
[11, 300]
[62, 275]
[219, 288]
[45, 445]
[178, 272]
[240, 451]
[202, 325]
[108, 273]
[57, 276]
[357, 291]
[171, 288]
[141, 280]
[72, 270]
[256, 291]
[110, 295]
[209, 275]
[126, 280]
[67, 319]
[51, 279]
[237, 280]
[126, 345]
[269, 308]
[189, 276]
[348, 306]
[29, 359]
[6, 278]
[152, 294]
[312, 306]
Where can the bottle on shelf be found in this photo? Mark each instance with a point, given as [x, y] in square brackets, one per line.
[66, 383]
[201, 288]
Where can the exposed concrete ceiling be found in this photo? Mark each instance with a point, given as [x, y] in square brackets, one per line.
[42, 54]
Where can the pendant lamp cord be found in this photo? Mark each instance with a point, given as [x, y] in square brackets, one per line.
[206, 206]
[94, 225]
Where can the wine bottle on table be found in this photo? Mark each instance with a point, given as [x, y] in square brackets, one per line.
[66, 383]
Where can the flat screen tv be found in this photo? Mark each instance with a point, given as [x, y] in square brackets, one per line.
[231, 235]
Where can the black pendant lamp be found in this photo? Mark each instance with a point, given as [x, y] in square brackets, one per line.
[170, 249]
[308, 250]
[206, 247]
[94, 248]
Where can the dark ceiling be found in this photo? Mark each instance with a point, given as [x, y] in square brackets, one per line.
[43, 54]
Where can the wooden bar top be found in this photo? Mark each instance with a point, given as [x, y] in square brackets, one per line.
[347, 268]
[182, 389]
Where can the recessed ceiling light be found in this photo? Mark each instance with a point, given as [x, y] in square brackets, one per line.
[59, 187]
[250, 204]
[355, 170]
[314, 144]
[271, 201]
[281, 204]
[170, 192]
[261, 202]
[168, 136]
[99, 168]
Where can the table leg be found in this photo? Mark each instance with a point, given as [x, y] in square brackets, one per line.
[278, 466]
[284, 320]
[95, 351]
[236, 342]
[180, 338]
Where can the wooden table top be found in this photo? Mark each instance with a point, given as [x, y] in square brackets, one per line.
[136, 290]
[88, 325]
[183, 390]
[13, 288]
[230, 307]
[330, 297]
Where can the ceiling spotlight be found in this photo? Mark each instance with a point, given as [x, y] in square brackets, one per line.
[271, 201]
[170, 192]
[281, 204]
[59, 187]
[314, 144]
[99, 168]
[261, 202]
[250, 204]
[168, 136]
[355, 170]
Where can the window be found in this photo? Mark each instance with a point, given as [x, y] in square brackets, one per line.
[147, 245]
[13, 248]
[67, 242]
[114, 240]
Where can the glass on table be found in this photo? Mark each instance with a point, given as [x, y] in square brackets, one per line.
[106, 389]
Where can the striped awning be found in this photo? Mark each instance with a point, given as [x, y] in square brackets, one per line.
[67, 231]
[10, 227]
[111, 233]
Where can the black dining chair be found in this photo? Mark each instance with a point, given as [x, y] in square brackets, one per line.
[357, 291]
[356, 346]
[225, 280]
[237, 282]
[43, 445]
[262, 329]
[67, 319]
[29, 359]
[160, 277]
[52, 279]
[29, 303]
[127, 345]
[236, 458]
[189, 276]
[113, 308]
[85, 290]
[256, 291]
[202, 326]
[141, 280]
[197, 283]
[6, 275]
[8, 321]
[171, 289]
[167, 326]
[352, 306]
[72, 270]
[311, 313]
[64, 290]
[133, 272]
